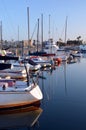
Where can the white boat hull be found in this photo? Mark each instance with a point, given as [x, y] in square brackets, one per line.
[15, 73]
[11, 97]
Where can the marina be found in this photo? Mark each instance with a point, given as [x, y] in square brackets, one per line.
[42, 65]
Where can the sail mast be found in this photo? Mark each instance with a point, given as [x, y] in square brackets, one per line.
[18, 33]
[42, 30]
[28, 78]
[66, 29]
[1, 33]
[38, 35]
[49, 26]
[28, 29]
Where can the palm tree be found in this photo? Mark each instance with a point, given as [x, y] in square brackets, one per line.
[78, 38]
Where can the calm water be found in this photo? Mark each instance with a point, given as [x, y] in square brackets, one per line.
[64, 102]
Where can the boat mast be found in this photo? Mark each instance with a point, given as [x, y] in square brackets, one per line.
[66, 29]
[18, 42]
[1, 33]
[49, 26]
[28, 29]
[18, 33]
[28, 78]
[42, 31]
[38, 35]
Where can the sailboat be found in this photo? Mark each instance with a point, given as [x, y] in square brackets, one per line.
[41, 52]
[15, 96]
[50, 46]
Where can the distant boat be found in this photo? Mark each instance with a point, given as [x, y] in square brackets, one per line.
[76, 54]
[14, 70]
[82, 48]
[51, 48]
[41, 53]
[39, 60]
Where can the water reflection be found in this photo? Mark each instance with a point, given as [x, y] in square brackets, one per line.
[64, 97]
[65, 82]
[24, 118]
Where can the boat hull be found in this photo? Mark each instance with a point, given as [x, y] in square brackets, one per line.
[12, 99]
[16, 73]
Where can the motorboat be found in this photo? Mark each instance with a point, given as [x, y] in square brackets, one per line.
[15, 72]
[16, 69]
[32, 65]
[76, 54]
[41, 61]
[51, 47]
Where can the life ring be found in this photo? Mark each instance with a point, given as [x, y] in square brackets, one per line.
[57, 60]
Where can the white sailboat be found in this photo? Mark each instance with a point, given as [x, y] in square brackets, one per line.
[19, 95]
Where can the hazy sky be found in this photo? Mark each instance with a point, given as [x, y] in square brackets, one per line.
[13, 14]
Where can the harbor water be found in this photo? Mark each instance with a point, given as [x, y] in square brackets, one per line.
[64, 103]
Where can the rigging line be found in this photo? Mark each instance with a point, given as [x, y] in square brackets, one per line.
[34, 31]
[62, 31]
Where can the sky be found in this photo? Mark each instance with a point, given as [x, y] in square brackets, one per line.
[13, 14]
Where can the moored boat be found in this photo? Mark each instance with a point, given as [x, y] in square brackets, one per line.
[18, 73]
[19, 95]
[41, 61]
